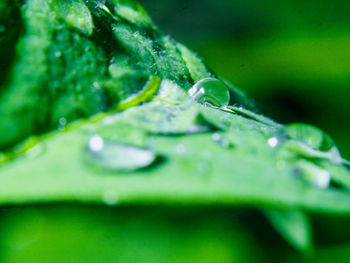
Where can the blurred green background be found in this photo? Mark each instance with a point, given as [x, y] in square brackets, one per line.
[293, 58]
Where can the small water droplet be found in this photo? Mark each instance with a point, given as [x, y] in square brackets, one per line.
[96, 85]
[110, 198]
[62, 122]
[58, 54]
[218, 139]
[96, 143]
[118, 157]
[180, 149]
[197, 129]
[2, 28]
[273, 142]
[210, 91]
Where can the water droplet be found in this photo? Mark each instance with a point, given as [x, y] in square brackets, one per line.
[180, 149]
[58, 54]
[110, 198]
[210, 91]
[218, 139]
[62, 122]
[96, 143]
[310, 135]
[314, 175]
[273, 142]
[96, 85]
[2, 28]
[118, 157]
[312, 142]
[197, 129]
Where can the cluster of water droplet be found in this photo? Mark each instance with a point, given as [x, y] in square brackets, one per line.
[304, 140]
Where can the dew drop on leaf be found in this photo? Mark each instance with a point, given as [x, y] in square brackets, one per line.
[117, 157]
[310, 135]
[58, 54]
[62, 122]
[312, 142]
[220, 140]
[210, 91]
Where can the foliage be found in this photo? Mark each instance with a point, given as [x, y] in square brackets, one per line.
[170, 131]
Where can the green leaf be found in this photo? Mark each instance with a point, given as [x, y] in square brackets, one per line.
[113, 76]
[194, 168]
[293, 226]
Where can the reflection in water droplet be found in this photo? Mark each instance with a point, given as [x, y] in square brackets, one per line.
[110, 198]
[118, 157]
[273, 142]
[211, 92]
[314, 175]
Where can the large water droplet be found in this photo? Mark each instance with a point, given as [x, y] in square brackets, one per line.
[118, 157]
[312, 142]
[210, 91]
[310, 135]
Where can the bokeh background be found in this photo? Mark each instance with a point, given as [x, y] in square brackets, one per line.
[291, 56]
